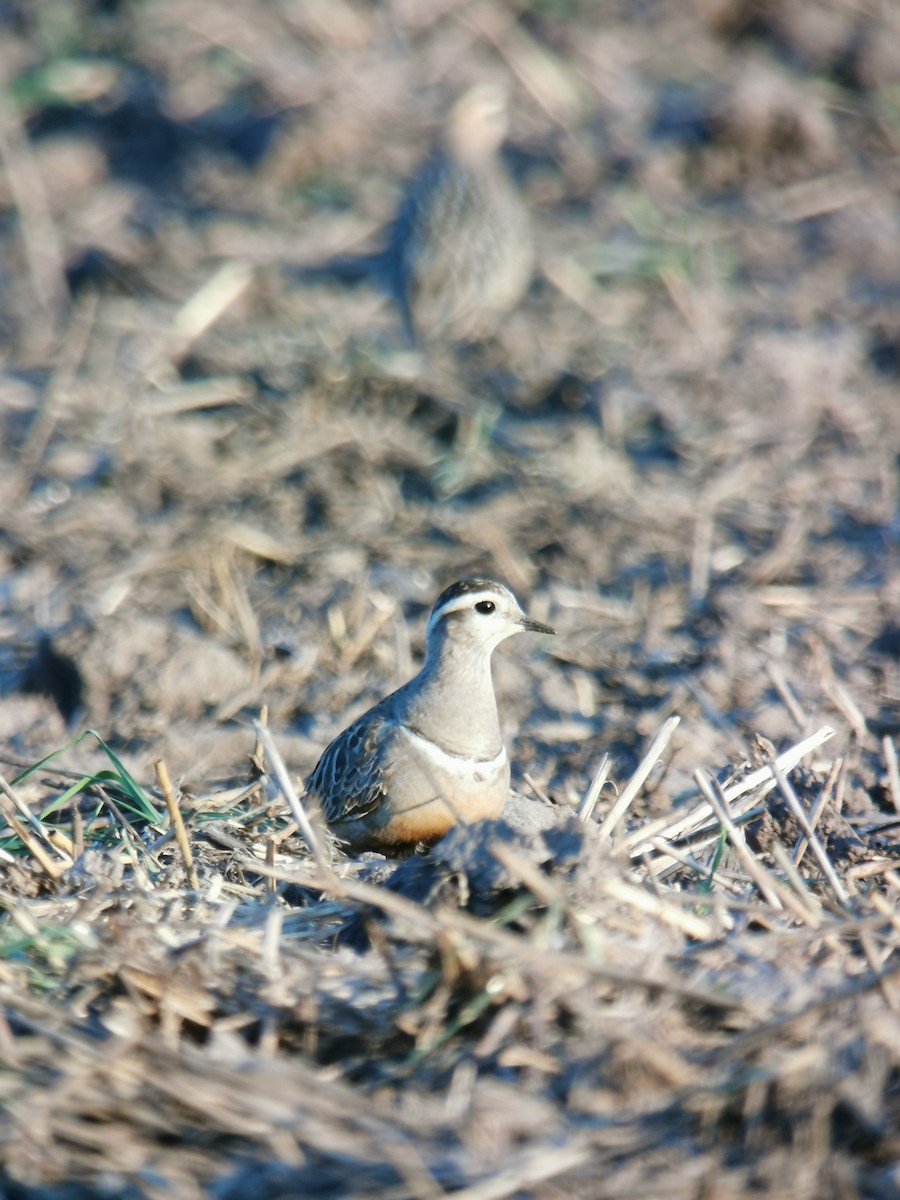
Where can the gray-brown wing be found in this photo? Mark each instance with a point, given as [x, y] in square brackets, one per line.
[347, 779]
[465, 248]
[412, 229]
[447, 212]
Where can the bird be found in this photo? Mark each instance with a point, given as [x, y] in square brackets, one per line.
[430, 754]
[459, 254]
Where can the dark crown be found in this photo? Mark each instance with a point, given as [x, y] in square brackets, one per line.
[465, 587]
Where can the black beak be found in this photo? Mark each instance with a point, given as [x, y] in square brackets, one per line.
[535, 626]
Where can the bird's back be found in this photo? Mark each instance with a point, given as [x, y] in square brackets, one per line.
[460, 250]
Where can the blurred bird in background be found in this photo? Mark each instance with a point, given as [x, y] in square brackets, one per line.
[459, 254]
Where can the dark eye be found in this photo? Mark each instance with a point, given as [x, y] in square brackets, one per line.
[485, 606]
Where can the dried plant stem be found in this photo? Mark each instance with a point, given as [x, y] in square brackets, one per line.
[77, 833]
[130, 837]
[671, 853]
[876, 958]
[636, 782]
[522, 951]
[669, 914]
[757, 783]
[535, 1169]
[258, 757]
[299, 813]
[817, 809]
[59, 842]
[842, 700]
[788, 699]
[893, 772]
[270, 863]
[810, 905]
[814, 843]
[537, 789]
[757, 872]
[213, 298]
[165, 786]
[29, 841]
[600, 776]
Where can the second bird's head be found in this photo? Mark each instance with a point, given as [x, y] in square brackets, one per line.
[478, 123]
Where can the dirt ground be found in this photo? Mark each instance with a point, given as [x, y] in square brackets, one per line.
[225, 492]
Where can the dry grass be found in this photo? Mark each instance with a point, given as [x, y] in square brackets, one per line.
[672, 968]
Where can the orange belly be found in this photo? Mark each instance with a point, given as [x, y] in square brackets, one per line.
[393, 830]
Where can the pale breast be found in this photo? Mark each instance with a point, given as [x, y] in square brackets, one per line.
[427, 791]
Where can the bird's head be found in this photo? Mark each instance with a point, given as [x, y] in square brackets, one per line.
[477, 614]
[478, 123]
